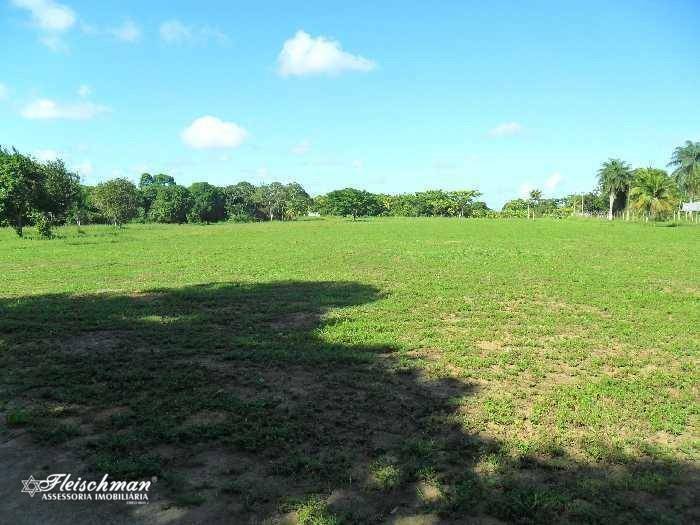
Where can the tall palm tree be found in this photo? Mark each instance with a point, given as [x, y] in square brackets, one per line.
[653, 192]
[615, 176]
[686, 160]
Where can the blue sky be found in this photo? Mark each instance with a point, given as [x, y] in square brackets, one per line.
[389, 96]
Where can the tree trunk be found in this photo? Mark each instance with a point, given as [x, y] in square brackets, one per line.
[610, 209]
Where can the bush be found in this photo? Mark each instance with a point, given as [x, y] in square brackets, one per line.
[42, 223]
[240, 216]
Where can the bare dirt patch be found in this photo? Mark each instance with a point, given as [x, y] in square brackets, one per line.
[95, 342]
[295, 321]
[490, 346]
[206, 417]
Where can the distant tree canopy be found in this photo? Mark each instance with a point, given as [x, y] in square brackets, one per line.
[43, 194]
[117, 200]
[62, 190]
[239, 202]
[686, 161]
[29, 189]
[653, 192]
[207, 203]
[355, 203]
[351, 202]
[171, 204]
[148, 189]
[615, 177]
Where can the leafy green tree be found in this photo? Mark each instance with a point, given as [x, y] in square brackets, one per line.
[161, 179]
[297, 201]
[80, 210]
[148, 189]
[653, 192]
[270, 200]
[478, 209]
[403, 205]
[463, 201]
[533, 201]
[320, 205]
[171, 204]
[516, 208]
[61, 190]
[239, 202]
[686, 160]
[207, 203]
[592, 203]
[432, 203]
[145, 180]
[117, 200]
[615, 177]
[22, 189]
[352, 202]
[43, 224]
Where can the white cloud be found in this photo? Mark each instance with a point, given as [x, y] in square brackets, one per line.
[47, 14]
[85, 168]
[506, 129]
[358, 164]
[52, 19]
[304, 55]
[550, 184]
[4, 91]
[525, 190]
[44, 109]
[211, 33]
[54, 43]
[84, 91]
[175, 32]
[210, 132]
[45, 155]
[302, 148]
[553, 181]
[127, 32]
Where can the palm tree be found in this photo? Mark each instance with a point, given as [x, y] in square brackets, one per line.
[653, 192]
[686, 160]
[615, 176]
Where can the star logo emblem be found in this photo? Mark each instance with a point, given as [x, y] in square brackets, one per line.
[30, 486]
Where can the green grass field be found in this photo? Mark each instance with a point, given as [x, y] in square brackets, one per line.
[330, 371]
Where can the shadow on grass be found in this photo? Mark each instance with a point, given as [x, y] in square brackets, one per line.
[233, 397]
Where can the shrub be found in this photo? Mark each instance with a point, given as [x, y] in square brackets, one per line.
[42, 223]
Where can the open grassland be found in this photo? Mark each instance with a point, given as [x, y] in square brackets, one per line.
[330, 371]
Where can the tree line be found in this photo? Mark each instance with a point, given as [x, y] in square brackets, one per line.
[650, 193]
[351, 202]
[45, 194]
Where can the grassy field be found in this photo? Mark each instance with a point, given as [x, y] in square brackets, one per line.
[330, 371]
